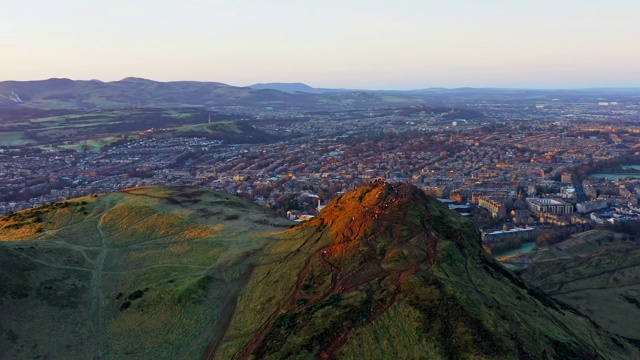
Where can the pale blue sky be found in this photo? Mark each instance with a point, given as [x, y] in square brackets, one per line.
[356, 44]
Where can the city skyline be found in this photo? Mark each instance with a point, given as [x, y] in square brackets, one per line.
[360, 45]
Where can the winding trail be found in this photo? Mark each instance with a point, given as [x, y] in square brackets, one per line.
[97, 296]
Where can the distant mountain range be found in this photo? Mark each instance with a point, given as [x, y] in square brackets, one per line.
[90, 94]
[65, 93]
[128, 92]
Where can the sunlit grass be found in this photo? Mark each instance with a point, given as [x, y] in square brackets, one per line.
[183, 261]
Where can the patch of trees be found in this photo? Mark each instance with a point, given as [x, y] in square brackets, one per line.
[231, 217]
[551, 237]
[139, 173]
[124, 138]
[605, 166]
[287, 202]
[130, 298]
[485, 220]
[550, 189]
[264, 190]
[632, 300]
[182, 159]
[629, 228]
[499, 247]
[248, 136]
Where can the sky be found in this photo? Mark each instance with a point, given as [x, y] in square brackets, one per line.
[365, 44]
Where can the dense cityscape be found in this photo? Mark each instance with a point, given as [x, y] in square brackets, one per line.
[495, 167]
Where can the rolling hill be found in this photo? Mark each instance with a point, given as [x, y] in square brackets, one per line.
[79, 94]
[176, 272]
[133, 92]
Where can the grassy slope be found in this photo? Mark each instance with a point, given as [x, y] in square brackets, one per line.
[138, 274]
[225, 126]
[597, 273]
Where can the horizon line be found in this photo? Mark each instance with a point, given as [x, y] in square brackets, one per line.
[569, 88]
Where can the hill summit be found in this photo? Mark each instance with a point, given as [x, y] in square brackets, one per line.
[384, 221]
[386, 271]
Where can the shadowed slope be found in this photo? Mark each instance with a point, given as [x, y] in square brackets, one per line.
[598, 272]
[387, 272]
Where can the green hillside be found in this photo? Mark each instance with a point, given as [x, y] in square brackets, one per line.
[145, 273]
[228, 131]
[384, 272]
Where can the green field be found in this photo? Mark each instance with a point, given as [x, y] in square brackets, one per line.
[90, 145]
[225, 126]
[91, 131]
[94, 129]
